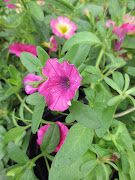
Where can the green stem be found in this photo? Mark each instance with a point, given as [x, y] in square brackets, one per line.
[37, 157]
[50, 122]
[59, 52]
[48, 167]
[19, 97]
[63, 113]
[100, 56]
[124, 10]
[124, 112]
[107, 74]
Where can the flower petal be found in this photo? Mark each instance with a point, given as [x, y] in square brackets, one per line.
[52, 68]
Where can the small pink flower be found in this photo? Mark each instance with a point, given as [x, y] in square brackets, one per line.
[52, 45]
[131, 20]
[61, 85]
[62, 27]
[108, 23]
[121, 32]
[30, 78]
[41, 3]
[10, 6]
[18, 48]
[63, 132]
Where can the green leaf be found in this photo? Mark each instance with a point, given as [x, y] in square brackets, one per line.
[12, 90]
[115, 9]
[119, 62]
[132, 99]
[13, 118]
[14, 133]
[79, 38]
[89, 166]
[114, 100]
[30, 62]
[69, 119]
[112, 84]
[125, 163]
[35, 99]
[78, 140]
[28, 175]
[77, 54]
[14, 73]
[42, 55]
[131, 71]
[106, 119]
[2, 130]
[50, 139]
[36, 116]
[118, 79]
[13, 81]
[61, 4]
[16, 154]
[89, 78]
[131, 158]
[36, 10]
[21, 109]
[127, 82]
[71, 171]
[91, 70]
[129, 42]
[85, 115]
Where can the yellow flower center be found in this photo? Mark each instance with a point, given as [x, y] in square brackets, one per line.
[63, 28]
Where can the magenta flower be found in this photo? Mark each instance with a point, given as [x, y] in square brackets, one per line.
[63, 132]
[131, 20]
[121, 32]
[62, 27]
[10, 6]
[30, 78]
[61, 85]
[18, 48]
[52, 45]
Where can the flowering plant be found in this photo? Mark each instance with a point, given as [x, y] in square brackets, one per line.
[67, 107]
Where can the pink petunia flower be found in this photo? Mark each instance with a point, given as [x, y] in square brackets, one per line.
[18, 48]
[61, 85]
[10, 6]
[121, 32]
[52, 45]
[131, 20]
[63, 132]
[30, 78]
[62, 27]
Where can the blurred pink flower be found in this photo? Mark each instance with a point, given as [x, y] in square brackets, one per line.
[63, 27]
[41, 3]
[63, 132]
[18, 48]
[61, 85]
[52, 45]
[30, 78]
[121, 32]
[131, 20]
[10, 6]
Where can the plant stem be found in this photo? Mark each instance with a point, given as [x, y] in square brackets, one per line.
[37, 157]
[19, 97]
[48, 168]
[100, 56]
[124, 112]
[63, 113]
[124, 10]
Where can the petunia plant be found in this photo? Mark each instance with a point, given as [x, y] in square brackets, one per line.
[67, 107]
